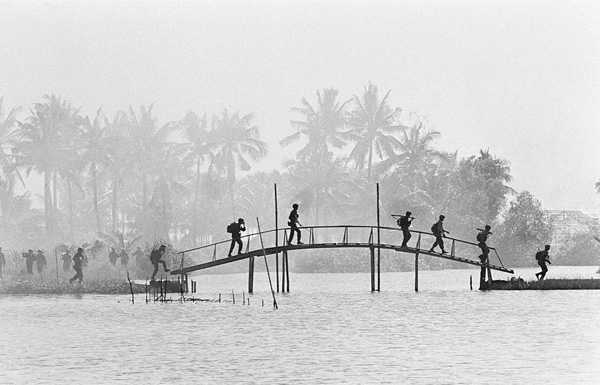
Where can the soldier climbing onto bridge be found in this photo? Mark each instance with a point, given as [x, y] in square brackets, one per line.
[438, 230]
[236, 228]
[482, 237]
[294, 223]
[404, 222]
[542, 257]
[156, 258]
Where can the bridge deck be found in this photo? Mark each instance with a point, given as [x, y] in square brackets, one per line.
[279, 249]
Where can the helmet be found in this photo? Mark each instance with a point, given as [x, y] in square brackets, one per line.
[295, 206]
[408, 214]
[240, 220]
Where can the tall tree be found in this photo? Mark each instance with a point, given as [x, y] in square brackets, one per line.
[96, 155]
[44, 142]
[414, 158]
[323, 125]
[9, 172]
[525, 229]
[235, 141]
[374, 127]
[199, 151]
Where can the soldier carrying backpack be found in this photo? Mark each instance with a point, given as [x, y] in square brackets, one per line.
[235, 229]
[542, 257]
[482, 237]
[437, 229]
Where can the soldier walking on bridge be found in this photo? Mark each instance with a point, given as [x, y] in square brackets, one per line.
[404, 222]
[236, 237]
[438, 230]
[542, 257]
[156, 258]
[482, 237]
[293, 222]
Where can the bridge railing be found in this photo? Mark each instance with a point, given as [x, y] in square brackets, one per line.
[340, 234]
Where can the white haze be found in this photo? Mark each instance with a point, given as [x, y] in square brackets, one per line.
[519, 78]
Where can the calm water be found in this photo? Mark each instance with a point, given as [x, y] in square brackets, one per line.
[330, 329]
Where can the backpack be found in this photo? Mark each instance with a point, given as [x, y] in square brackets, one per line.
[539, 256]
[230, 228]
[434, 229]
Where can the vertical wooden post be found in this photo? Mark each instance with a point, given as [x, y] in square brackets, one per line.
[276, 238]
[372, 249]
[287, 272]
[417, 271]
[471, 282]
[417, 263]
[250, 275]
[378, 243]
[283, 262]
[482, 285]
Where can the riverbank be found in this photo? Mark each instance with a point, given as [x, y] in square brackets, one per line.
[106, 286]
[547, 284]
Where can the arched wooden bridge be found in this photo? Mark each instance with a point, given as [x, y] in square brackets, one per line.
[331, 237]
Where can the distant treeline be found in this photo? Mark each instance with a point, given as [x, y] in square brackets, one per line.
[129, 178]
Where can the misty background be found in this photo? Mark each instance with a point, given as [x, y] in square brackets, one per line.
[511, 85]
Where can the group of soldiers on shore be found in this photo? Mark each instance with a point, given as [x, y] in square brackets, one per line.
[31, 258]
[76, 258]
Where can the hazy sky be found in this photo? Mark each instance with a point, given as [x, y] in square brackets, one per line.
[522, 79]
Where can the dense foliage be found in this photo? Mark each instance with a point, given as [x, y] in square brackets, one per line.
[181, 182]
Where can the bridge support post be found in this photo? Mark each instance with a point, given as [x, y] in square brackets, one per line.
[287, 272]
[372, 249]
[250, 275]
[482, 285]
[418, 247]
[417, 271]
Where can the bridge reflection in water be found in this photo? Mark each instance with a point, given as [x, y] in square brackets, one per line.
[372, 238]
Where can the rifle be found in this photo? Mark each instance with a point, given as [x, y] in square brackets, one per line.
[401, 216]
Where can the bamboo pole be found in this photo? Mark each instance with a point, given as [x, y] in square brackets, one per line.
[378, 243]
[417, 270]
[372, 250]
[250, 275]
[418, 248]
[130, 288]
[276, 237]
[266, 264]
[287, 272]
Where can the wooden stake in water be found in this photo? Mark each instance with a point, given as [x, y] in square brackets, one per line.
[130, 288]
[262, 245]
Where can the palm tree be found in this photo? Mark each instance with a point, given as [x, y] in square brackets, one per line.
[374, 128]
[327, 189]
[149, 141]
[119, 159]
[9, 171]
[415, 157]
[196, 131]
[322, 126]
[44, 141]
[235, 141]
[96, 155]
